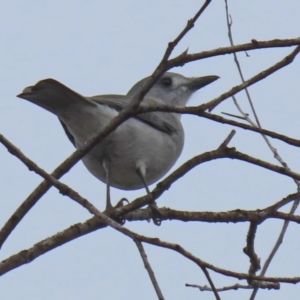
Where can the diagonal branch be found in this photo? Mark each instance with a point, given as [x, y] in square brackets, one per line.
[195, 161]
[254, 45]
[261, 163]
[284, 62]
[194, 110]
[62, 188]
[190, 24]
[149, 269]
[165, 184]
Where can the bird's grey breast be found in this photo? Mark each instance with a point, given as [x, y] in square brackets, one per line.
[153, 140]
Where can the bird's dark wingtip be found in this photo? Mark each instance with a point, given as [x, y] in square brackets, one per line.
[27, 91]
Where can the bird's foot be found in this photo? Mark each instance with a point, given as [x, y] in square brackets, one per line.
[110, 211]
[156, 213]
[121, 203]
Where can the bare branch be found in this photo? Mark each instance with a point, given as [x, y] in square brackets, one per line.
[229, 24]
[32, 166]
[263, 164]
[254, 45]
[233, 115]
[149, 269]
[80, 229]
[213, 288]
[234, 216]
[249, 250]
[190, 24]
[165, 184]
[234, 287]
[194, 110]
[284, 62]
[228, 139]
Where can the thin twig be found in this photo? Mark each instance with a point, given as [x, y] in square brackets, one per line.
[283, 63]
[213, 288]
[229, 24]
[149, 269]
[233, 115]
[228, 139]
[258, 162]
[190, 24]
[274, 286]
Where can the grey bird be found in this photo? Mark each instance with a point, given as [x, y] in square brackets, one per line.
[143, 148]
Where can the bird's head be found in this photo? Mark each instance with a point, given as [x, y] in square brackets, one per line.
[172, 88]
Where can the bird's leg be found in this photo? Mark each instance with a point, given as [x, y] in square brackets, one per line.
[108, 202]
[109, 207]
[152, 205]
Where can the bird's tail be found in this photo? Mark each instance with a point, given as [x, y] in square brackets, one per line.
[53, 96]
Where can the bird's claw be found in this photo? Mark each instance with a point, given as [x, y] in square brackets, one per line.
[156, 213]
[110, 211]
[121, 203]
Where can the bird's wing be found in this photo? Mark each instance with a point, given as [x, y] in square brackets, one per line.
[162, 121]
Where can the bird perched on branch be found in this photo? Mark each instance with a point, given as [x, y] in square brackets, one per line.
[139, 151]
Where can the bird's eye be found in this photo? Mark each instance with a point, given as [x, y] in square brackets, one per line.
[166, 81]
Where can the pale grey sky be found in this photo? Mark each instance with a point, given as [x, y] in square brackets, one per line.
[98, 47]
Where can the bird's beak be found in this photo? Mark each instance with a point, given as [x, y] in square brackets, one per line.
[197, 83]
